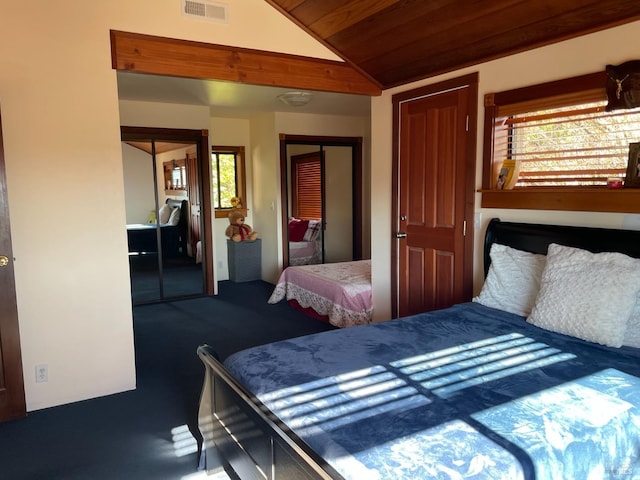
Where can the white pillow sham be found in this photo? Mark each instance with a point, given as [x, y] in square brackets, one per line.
[313, 229]
[164, 212]
[174, 218]
[513, 280]
[632, 336]
[587, 295]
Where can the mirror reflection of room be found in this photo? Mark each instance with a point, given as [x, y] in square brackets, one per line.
[306, 206]
[320, 204]
[163, 223]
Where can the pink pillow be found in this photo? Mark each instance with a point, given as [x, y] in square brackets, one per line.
[297, 228]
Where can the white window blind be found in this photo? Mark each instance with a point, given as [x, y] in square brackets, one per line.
[568, 140]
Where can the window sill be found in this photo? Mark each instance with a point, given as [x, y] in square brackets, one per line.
[224, 212]
[176, 192]
[594, 199]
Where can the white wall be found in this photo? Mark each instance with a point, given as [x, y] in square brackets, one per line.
[232, 132]
[574, 57]
[61, 129]
[138, 184]
[265, 155]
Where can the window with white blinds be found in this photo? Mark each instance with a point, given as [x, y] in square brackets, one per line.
[569, 145]
[559, 134]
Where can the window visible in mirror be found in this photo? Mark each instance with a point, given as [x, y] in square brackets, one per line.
[227, 177]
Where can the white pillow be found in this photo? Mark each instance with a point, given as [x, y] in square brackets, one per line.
[632, 336]
[587, 295]
[513, 280]
[312, 231]
[174, 218]
[165, 212]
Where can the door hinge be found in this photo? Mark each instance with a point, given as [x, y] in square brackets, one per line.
[464, 228]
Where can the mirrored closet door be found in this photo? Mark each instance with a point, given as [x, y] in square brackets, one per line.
[321, 198]
[164, 224]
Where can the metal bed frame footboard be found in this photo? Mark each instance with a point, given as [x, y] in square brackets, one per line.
[242, 435]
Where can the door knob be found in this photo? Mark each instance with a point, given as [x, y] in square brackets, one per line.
[4, 261]
[401, 235]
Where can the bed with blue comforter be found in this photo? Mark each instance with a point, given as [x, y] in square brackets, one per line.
[536, 378]
[466, 392]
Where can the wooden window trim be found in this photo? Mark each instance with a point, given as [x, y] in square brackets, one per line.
[240, 175]
[591, 199]
[585, 199]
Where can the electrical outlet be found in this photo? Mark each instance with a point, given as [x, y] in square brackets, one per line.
[42, 373]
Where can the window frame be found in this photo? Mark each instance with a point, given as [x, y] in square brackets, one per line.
[588, 198]
[240, 177]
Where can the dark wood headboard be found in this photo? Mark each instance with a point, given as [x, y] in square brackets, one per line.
[535, 238]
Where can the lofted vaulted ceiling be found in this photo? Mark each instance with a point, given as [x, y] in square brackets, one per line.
[394, 42]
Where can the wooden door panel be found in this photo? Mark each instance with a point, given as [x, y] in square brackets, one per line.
[445, 175]
[416, 276]
[12, 401]
[433, 178]
[415, 173]
[431, 274]
[445, 278]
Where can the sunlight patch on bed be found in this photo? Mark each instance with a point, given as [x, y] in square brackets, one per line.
[335, 401]
[451, 449]
[450, 370]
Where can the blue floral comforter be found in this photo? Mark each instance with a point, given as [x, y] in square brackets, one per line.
[467, 392]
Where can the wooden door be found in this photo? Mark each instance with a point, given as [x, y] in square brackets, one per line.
[434, 226]
[12, 401]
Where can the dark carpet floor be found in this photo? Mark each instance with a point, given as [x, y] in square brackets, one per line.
[149, 433]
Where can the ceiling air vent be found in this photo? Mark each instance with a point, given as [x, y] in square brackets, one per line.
[205, 10]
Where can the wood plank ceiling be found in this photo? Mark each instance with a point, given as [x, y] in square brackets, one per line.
[394, 42]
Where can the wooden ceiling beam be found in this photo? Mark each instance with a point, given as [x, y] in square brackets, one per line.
[137, 53]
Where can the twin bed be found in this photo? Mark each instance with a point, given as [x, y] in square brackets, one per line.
[537, 378]
[338, 293]
[143, 238]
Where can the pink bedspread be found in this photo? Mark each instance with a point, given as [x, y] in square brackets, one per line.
[304, 253]
[341, 291]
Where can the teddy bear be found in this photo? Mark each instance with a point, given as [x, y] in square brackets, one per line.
[237, 230]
